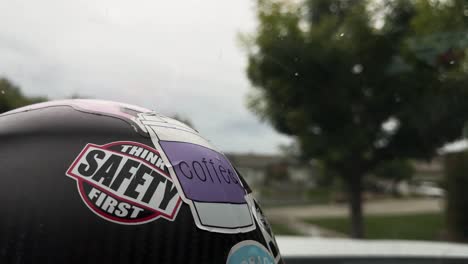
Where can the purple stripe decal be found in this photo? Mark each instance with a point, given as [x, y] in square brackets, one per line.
[204, 174]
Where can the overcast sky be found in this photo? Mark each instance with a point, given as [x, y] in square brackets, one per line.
[170, 56]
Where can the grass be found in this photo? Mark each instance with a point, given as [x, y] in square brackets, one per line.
[422, 226]
[282, 229]
[319, 195]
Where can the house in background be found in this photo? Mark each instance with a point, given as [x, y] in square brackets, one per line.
[425, 181]
[429, 171]
[273, 171]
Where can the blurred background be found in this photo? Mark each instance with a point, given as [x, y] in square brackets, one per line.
[347, 118]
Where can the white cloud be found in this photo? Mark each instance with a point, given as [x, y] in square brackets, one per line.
[172, 56]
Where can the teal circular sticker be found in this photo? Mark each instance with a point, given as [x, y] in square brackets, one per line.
[249, 251]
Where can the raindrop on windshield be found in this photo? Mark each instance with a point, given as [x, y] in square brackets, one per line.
[442, 77]
[357, 68]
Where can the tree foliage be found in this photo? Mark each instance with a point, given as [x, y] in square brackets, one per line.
[395, 170]
[11, 96]
[358, 83]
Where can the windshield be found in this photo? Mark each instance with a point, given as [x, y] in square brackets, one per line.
[347, 119]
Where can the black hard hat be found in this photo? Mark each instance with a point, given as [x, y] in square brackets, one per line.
[88, 181]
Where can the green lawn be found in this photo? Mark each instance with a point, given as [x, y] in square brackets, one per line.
[423, 226]
[319, 195]
[282, 229]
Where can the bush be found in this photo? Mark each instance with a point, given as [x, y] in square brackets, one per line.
[456, 171]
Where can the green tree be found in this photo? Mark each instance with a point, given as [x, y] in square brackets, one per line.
[358, 83]
[11, 96]
[396, 171]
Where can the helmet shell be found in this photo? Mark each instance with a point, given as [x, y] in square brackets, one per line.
[88, 181]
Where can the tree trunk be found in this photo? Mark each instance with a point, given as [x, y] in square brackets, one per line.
[355, 206]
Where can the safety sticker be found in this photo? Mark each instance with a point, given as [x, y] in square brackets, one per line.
[206, 180]
[249, 251]
[125, 182]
